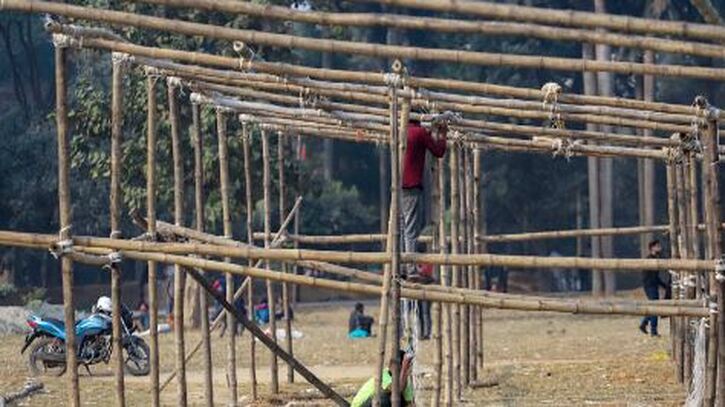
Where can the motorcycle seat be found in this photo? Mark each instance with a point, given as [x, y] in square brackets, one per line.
[55, 321]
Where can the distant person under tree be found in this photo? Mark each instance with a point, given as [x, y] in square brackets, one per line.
[651, 282]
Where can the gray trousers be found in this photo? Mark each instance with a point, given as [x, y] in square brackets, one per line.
[411, 222]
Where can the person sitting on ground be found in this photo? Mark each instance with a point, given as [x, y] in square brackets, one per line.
[359, 324]
[651, 282]
[364, 396]
[279, 310]
[261, 312]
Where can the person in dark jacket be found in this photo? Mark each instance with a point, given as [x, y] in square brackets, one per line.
[651, 282]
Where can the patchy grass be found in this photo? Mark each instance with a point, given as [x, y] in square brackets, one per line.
[536, 359]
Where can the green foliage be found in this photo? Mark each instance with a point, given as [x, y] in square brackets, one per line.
[34, 296]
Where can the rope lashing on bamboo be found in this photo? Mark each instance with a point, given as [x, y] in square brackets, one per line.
[63, 246]
[720, 270]
[551, 92]
[62, 40]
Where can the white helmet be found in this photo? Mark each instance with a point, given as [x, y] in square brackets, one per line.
[104, 304]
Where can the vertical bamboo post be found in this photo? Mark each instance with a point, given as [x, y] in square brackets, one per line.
[710, 164]
[455, 270]
[437, 219]
[472, 270]
[285, 286]
[399, 130]
[674, 253]
[119, 60]
[246, 136]
[151, 123]
[271, 300]
[179, 279]
[445, 281]
[64, 212]
[711, 386]
[298, 215]
[393, 248]
[221, 123]
[478, 246]
[683, 243]
[465, 309]
[198, 140]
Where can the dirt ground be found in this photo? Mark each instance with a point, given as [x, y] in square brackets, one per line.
[535, 359]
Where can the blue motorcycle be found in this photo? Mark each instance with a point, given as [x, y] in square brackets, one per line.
[93, 343]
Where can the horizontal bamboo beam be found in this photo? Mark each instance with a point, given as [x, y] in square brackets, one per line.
[371, 77]
[425, 295]
[449, 25]
[10, 238]
[356, 48]
[566, 18]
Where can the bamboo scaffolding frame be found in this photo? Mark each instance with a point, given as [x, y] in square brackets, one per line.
[356, 48]
[369, 77]
[179, 280]
[450, 25]
[172, 231]
[231, 323]
[455, 269]
[198, 141]
[115, 199]
[65, 214]
[151, 128]
[478, 246]
[567, 18]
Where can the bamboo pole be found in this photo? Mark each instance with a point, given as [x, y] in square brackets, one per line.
[64, 212]
[271, 299]
[462, 241]
[285, 287]
[567, 18]
[712, 206]
[437, 212]
[246, 139]
[151, 128]
[198, 141]
[455, 269]
[115, 221]
[487, 28]
[445, 282]
[273, 254]
[223, 145]
[356, 48]
[682, 242]
[179, 280]
[478, 245]
[472, 270]
[713, 345]
[674, 253]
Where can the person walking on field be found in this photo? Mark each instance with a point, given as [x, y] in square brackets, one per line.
[651, 283]
[419, 141]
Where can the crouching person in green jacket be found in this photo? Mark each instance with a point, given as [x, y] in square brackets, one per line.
[364, 396]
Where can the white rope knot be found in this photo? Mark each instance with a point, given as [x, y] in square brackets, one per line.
[121, 59]
[246, 118]
[61, 248]
[393, 80]
[115, 234]
[689, 281]
[223, 109]
[173, 81]
[245, 65]
[457, 137]
[564, 147]
[550, 93]
[198, 98]
[712, 307]
[62, 40]
[114, 258]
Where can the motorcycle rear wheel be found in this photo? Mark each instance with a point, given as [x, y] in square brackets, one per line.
[38, 365]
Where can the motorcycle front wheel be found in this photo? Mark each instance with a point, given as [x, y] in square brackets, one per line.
[137, 357]
[47, 357]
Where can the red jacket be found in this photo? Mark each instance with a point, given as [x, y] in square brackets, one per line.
[419, 140]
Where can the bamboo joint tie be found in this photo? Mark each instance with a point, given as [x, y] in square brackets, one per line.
[64, 245]
[64, 41]
[121, 59]
[720, 270]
